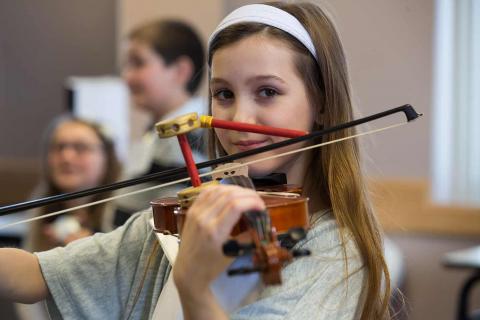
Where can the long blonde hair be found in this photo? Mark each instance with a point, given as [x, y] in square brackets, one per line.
[335, 176]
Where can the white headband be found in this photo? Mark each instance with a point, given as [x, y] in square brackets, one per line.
[271, 16]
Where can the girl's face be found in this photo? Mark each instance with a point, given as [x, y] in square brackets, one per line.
[255, 81]
[76, 159]
[150, 81]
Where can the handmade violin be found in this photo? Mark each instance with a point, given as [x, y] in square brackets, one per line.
[273, 232]
[280, 201]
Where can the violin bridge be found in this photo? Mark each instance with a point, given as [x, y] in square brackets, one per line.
[228, 170]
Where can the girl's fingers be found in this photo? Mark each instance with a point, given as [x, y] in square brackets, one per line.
[208, 225]
[212, 201]
[217, 209]
[229, 216]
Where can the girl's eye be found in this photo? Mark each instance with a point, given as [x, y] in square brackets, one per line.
[267, 93]
[223, 94]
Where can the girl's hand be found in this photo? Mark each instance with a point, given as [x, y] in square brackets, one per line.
[208, 225]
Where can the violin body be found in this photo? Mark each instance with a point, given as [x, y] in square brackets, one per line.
[165, 215]
[285, 212]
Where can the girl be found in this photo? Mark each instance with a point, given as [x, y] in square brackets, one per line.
[280, 65]
[79, 155]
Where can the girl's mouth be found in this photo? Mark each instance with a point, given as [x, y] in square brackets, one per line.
[244, 145]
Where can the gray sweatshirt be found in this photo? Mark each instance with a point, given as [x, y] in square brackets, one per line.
[119, 275]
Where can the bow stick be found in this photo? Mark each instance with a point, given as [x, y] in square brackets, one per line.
[169, 176]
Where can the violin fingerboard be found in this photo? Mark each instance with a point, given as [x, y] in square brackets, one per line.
[260, 221]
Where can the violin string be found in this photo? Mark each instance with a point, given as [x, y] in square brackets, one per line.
[234, 166]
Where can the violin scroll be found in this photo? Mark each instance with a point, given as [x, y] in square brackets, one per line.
[268, 256]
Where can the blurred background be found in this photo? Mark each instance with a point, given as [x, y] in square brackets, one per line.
[425, 177]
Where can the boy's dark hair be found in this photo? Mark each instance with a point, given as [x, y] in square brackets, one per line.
[172, 39]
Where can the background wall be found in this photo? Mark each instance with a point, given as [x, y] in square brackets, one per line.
[389, 47]
[41, 43]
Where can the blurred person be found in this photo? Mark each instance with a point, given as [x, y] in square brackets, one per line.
[78, 155]
[163, 70]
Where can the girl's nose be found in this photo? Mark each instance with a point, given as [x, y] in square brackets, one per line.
[244, 111]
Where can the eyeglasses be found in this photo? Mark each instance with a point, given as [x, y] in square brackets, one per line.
[78, 147]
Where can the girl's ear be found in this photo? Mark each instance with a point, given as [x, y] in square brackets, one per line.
[184, 70]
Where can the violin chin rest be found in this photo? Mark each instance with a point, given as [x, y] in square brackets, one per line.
[289, 240]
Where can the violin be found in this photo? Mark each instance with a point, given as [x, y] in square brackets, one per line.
[280, 200]
[273, 232]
